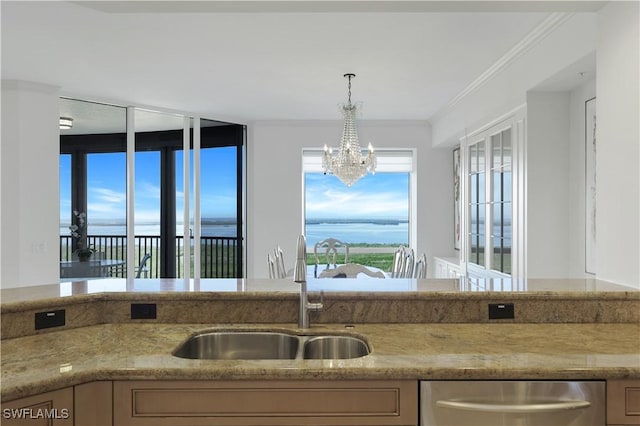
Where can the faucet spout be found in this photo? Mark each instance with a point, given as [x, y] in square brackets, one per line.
[300, 276]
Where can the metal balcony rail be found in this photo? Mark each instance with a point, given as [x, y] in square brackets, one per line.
[218, 254]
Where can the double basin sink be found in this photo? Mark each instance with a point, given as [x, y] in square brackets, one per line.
[245, 345]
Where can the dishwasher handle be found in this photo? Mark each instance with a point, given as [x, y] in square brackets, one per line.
[530, 408]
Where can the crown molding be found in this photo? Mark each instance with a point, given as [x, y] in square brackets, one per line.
[546, 27]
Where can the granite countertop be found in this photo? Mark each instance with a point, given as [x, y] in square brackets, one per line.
[39, 363]
[123, 289]
[418, 329]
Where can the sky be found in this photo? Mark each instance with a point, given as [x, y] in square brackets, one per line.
[106, 180]
[378, 196]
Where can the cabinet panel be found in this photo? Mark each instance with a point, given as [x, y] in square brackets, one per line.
[623, 402]
[94, 404]
[46, 409]
[266, 403]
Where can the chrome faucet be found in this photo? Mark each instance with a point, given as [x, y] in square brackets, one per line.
[300, 276]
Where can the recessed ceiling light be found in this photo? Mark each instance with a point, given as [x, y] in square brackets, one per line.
[66, 123]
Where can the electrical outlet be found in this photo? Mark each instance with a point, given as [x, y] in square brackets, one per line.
[501, 311]
[50, 319]
[143, 311]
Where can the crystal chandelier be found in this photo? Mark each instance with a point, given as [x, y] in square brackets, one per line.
[349, 164]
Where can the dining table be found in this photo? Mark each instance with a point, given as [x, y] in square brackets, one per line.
[314, 271]
[89, 268]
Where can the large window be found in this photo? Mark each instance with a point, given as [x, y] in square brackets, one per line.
[373, 215]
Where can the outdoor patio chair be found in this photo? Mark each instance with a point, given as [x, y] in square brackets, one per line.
[142, 267]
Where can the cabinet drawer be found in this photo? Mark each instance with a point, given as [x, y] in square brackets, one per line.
[265, 403]
[623, 402]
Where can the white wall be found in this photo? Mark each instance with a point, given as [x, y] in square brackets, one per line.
[556, 182]
[29, 168]
[547, 191]
[578, 97]
[275, 199]
[618, 140]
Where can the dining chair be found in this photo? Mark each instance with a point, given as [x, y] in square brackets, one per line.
[399, 258]
[409, 263]
[271, 266]
[281, 272]
[421, 267]
[331, 246]
[350, 270]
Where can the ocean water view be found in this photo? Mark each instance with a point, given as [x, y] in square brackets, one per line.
[353, 232]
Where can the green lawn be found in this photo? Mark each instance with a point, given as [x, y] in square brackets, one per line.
[382, 261]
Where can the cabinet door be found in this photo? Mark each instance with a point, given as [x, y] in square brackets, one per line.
[260, 403]
[623, 402]
[53, 408]
[94, 404]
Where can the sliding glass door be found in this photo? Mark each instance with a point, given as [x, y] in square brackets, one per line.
[92, 191]
[166, 189]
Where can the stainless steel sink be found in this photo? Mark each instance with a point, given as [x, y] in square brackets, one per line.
[270, 345]
[240, 345]
[334, 347]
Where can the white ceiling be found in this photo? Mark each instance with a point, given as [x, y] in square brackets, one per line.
[244, 61]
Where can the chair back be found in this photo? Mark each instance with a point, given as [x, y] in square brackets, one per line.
[271, 266]
[143, 266]
[330, 246]
[350, 270]
[399, 258]
[281, 272]
[421, 267]
[409, 264]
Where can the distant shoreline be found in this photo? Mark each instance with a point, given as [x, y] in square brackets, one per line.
[348, 221]
[216, 221]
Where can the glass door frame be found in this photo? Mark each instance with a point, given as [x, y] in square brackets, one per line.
[514, 120]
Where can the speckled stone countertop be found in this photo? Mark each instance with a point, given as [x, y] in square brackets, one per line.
[35, 364]
[359, 301]
[418, 329]
[82, 291]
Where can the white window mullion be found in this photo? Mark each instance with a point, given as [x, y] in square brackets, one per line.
[196, 198]
[186, 229]
[131, 178]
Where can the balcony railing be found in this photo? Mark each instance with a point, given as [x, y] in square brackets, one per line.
[218, 254]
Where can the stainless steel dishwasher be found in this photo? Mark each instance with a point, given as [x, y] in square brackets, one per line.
[512, 403]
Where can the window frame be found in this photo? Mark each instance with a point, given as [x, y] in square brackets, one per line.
[515, 122]
[389, 160]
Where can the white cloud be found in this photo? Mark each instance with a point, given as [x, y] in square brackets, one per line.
[108, 195]
[147, 190]
[350, 204]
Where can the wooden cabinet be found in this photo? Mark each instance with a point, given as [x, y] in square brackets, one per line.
[317, 402]
[623, 402]
[94, 404]
[53, 408]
